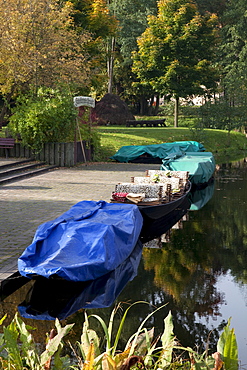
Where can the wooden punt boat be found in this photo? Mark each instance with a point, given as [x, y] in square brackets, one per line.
[86, 242]
[200, 165]
[70, 296]
[160, 192]
[155, 228]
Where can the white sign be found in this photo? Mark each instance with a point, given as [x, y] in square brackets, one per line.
[84, 101]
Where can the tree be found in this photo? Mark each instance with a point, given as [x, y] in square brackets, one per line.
[132, 21]
[39, 46]
[228, 111]
[176, 51]
[96, 17]
[132, 18]
[234, 50]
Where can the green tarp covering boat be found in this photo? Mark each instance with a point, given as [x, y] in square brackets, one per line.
[155, 152]
[201, 165]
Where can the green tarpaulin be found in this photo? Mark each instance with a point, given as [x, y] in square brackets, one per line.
[201, 166]
[131, 152]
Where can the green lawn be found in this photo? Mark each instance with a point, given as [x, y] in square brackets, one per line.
[225, 146]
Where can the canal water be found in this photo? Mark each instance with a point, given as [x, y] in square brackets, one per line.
[197, 270]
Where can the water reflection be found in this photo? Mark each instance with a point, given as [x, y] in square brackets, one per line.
[153, 229]
[201, 273]
[200, 197]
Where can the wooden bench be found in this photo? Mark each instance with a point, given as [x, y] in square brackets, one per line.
[146, 123]
[7, 143]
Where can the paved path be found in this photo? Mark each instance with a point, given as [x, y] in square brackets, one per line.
[25, 204]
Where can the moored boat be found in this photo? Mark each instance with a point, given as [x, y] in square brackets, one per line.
[156, 228]
[86, 242]
[156, 194]
[69, 296]
[175, 156]
[155, 153]
[200, 165]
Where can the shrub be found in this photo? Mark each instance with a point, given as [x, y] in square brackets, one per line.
[47, 117]
[222, 115]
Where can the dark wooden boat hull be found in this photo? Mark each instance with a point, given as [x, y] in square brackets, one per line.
[153, 229]
[157, 211]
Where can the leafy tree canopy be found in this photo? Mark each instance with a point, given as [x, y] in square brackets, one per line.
[94, 16]
[39, 46]
[212, 6]
[132, 18]
[233, 49]
[176, 50]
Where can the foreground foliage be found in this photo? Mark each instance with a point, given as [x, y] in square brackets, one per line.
[142, 350]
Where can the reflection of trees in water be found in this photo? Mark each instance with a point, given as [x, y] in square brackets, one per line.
[211, 243]
[185, 274]
[188, 332]
[196, 334]
[232, 225]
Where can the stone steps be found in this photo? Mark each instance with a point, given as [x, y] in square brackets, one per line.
[19, 170]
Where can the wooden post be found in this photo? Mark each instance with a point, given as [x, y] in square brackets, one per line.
[160, 194]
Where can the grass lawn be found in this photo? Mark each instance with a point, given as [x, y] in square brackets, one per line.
[225, 146]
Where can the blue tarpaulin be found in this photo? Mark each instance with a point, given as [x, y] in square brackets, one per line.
[130, 152]
[84, 243]
[70, 296]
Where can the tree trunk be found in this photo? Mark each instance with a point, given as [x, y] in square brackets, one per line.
[150, 108]
[110, 64]
[176, 112]
[2, 115]
[5, 107]
[143, 106]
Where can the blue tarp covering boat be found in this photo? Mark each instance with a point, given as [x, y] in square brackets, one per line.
[201, 166]
[86, 242]
[49, 299]
[131, 153]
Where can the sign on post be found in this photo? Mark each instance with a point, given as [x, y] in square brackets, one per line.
[84, 101]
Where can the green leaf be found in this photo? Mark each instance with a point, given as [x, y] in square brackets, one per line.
[133, 345]
[2, 319]
[143, 341]
[11, 346]
[88, 335]
[28, 348]
[54, 343]
[167, 340]
[227, 347]
[103, 324]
